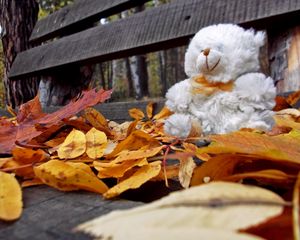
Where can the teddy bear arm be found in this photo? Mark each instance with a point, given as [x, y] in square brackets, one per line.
[179, 97]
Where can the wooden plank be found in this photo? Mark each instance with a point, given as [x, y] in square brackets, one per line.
[118, 111]
[50, 214]
[78, 16]
[158, 28]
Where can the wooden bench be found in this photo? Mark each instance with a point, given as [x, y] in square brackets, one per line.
[67, 39]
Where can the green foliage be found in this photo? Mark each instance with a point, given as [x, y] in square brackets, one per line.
[49, 6]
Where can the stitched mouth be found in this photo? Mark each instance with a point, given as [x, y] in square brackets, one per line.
[216, 64]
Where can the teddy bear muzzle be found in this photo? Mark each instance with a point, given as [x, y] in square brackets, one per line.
[208, 60]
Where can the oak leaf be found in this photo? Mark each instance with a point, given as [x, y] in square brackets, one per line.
[69, 177]
[10, 197]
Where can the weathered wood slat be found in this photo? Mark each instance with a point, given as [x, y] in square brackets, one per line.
[77, 16]
[166, 26]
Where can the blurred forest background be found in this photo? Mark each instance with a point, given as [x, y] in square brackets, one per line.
[136, 77]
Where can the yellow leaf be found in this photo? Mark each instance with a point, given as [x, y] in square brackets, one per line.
[142, 153]
[81, 166]
[118, 170]
[10, 197]
[164, 113]
[144, 174]
[135, 141]
[136, 114]
[74, 145]
[186, 169]
[149, 109]
[69, 177]
[96, 142]
[284, 147]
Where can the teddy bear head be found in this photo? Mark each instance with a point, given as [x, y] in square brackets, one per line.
[223, 52]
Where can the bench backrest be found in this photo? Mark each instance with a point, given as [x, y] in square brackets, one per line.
[166, 26]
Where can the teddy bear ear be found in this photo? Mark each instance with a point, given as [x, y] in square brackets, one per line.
[260, 38]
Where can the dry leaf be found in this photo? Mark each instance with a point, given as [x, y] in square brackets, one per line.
[97, 120]
[144, 174]
[27, 155]
[68, 177]
[73, 146]
[149, 110]
[96, 142]
[136, 114]
[219, 205]
[296, 209]
[10, 197]
[186, 169]
[135, 141]
[284, 147]
[164, 113]
[119, 169]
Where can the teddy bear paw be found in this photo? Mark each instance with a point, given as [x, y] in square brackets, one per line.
[178, 125]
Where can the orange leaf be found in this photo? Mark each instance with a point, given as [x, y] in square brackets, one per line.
[149, 110]
[135, 141]
[270, 176]
[284, 147]
[118, 170]
[136, 114]
[293, 98]
[215, 169]
[137, 154]
[10, 197]
[164, 113]
[144, 174]
[97, 120]
[68, 177]
[31, 182]
[27, 155]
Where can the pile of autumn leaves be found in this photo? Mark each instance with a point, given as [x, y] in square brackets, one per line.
[70, 152]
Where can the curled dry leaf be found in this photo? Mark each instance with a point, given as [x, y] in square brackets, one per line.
[117, 170]
[186, 168]
[10, 197]
[27, 155]
[69, 176]
[96, 142]
[215, 205]
[73, 146]
[284, 147]
[136, 114]
[142, 175]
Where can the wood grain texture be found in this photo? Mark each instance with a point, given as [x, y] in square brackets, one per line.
[284, 57]
[77, 16]
[51, 215]
[158, 28]
[118, 111]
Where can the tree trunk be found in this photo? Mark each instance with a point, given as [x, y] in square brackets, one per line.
[17, 19]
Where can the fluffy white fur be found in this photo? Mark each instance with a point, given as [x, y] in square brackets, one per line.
[222, 53]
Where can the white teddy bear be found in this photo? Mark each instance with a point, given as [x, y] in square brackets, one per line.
[224, 91]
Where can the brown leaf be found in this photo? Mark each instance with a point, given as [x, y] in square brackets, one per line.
[27, 155]
[293, 98]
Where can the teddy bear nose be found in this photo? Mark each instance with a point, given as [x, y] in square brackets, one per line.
[206, 51]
